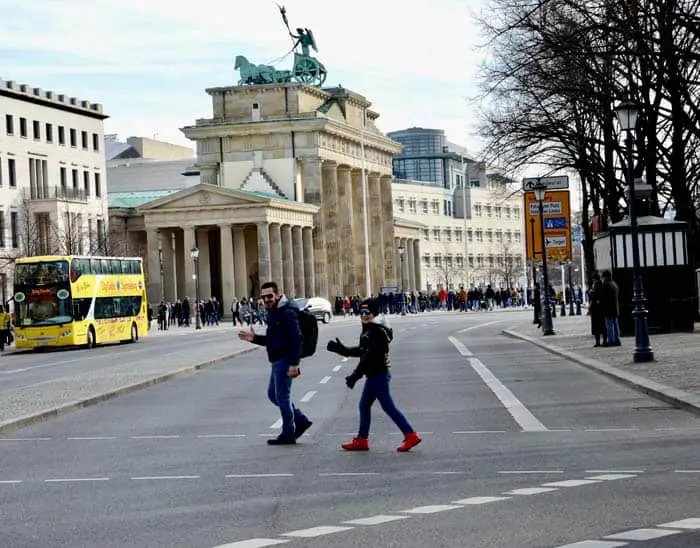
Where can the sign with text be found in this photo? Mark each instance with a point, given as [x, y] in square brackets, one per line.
[560, 182]
[557, 227]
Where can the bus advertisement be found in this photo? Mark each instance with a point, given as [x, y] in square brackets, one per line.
[78, 301]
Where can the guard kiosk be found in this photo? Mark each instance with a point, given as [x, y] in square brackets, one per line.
[666, 269]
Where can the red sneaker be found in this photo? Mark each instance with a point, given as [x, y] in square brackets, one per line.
[411, 440]
[357, 444]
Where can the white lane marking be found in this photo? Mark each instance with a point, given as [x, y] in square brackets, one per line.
[375, 520]
[460, 347]
[253, 543]
[337, 368]
[614, 471]
[259, 476]
[530, 491]
[612, 477]
[570, 483]
[89, 438]
[23, 369]
[306, 398]
[325, 379]
[479, 500]
[347, 474]
[155, 437]
[531, 471]
[690, 523]
[642, 534]
[206, 436]
[687, 471]
[594, 544]
[453, 473]
[276, 424]
[521, 414]
[137, 478]
[10, 482]
[480, 432]
[66, 480]
[431, 509]
[25, 439]
[478, 326]
[612, 429]
[344, 359]
[316, 531]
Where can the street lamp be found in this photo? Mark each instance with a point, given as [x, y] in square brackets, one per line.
[547, 327]
[402, 250]
[627, 114]
[194, 253]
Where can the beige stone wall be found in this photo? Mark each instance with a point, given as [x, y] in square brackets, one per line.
[158, 150]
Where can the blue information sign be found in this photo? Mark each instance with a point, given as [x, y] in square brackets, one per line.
[555, 223]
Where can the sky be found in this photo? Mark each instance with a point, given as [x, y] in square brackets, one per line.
[148, 62]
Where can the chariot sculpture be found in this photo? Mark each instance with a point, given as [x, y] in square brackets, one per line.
[306, 68]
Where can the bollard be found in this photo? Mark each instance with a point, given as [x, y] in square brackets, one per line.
[563, 309]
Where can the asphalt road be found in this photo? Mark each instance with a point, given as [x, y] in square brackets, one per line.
[521, 449]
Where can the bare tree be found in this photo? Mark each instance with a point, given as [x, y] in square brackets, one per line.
[447, 274]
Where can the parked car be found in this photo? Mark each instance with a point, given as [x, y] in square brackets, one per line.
[319, 307]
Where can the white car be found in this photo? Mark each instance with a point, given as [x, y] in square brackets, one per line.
[319, 307]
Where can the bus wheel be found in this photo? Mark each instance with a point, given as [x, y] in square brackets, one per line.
[91, 342]
[134, 333]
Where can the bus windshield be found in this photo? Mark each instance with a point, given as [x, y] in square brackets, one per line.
[41, 273]
[42, 306]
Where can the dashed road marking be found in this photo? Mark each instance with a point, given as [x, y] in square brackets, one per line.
[243, 476]
[337, 368]
[595, 544]
[317, 531]
[144, 478]
[276, 424]
[375, 520]
[570, 483]
[432, 509]
[347, 474]
[254, 543]
[614, 471]
[92, 438]
[612, 429]
[174, 437]
[306, 398]
[612, 477]
[687, 471]
[531, 471]
[479, 500]
[527, 491]
[25, 439]
[70, 480]
[690, 523]
[461, 432]
[642, 534]
[10, 482]
[217, 436]
[478, 326]
[325, 379]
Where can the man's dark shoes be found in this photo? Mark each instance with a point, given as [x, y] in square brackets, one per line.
[301, 428]
[281, 440]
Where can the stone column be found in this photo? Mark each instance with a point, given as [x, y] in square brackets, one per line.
[376, 243]
[418, 265]
[298, 262]
[241, 266]
[204, 264]
[166, 245]
[287, 261]
[309, 262]
[358, 249]
[313, 194]
[406, 280]
[173, 259]
[189, 233]
[264, 268]
[153, 265]
[346, 228]
[411, 274]
[390, 265]
[330, 216]
[276, 255]
[228, 271]
[397, 261]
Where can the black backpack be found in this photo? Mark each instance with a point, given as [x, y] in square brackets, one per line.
[309, 333]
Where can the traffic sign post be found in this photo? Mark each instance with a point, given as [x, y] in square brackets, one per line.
[560, 182]
[557, 227]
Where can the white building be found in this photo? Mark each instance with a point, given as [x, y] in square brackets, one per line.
[53, 196]
[485, 248]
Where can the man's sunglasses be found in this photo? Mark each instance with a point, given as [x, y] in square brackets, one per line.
[267, 297]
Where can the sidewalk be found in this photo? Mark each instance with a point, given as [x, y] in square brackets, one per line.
[674, 376]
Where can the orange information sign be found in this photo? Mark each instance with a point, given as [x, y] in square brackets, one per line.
[557, 227]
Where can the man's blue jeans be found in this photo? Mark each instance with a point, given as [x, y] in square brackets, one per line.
[613, 329]
[279, 392]
[377, 388]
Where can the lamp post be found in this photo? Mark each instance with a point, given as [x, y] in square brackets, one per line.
[572, 297]
[547, 327]
[194, 253]
[402, 250]
[627, 113]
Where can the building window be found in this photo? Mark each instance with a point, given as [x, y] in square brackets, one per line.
[426, 261]
[516, 212]
[36, 130]
[436, 207]
[498, 212]
[101, 235]
[475, 183]
[9, 124]
[73, 138]
[438, 261]
[95, 142]
[74, 174]
[424, 206]
[479, 236]
[509, 236]
[436, 234]
[2, 229]
[470, 235]
[84, 139]
[458, 235]
[61, 135]
[489, 236]
[477, 210]
[489, 212]
[491, 261]
[507, 212]
[448, 234]
[13, 229]
[86, 183]
[516, 235]
[401, 205]
[448, 261]
[49, 133]
[12, 172]
[98, 186]
[412, 205]
[22, 127]
[426, 234]
[499, 236]
[470, 260]
[460, 261]
[63, 177]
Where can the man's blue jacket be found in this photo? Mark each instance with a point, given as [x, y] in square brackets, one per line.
[283, 339]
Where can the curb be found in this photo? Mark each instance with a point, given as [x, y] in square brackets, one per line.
[28, 420]
[678, 398]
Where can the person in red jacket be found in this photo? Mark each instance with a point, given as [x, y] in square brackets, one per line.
[374, 364]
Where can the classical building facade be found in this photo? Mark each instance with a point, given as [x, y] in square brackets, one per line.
[283, 195]
[52, 176]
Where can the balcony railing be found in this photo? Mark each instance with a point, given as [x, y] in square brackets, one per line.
[59, 193]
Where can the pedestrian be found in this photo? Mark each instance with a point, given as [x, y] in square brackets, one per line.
[283, 341]
[611, 309]
[595, 310]
[5, 322]
[374, 364]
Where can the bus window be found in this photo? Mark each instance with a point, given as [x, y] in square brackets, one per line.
[104, 266]
[94, 266]
[116, 266]
[125, 267]
[80, 267]
[135, 267]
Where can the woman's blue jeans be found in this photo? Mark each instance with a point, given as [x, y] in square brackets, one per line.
[377, 388]
[279, 392]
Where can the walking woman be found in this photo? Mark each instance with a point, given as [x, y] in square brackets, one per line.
[595, 309]
[373, 352]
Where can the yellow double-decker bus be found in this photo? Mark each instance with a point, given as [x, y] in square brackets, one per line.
[78, 301]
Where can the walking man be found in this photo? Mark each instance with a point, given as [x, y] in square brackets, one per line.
[283, 342]
[5, 322]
